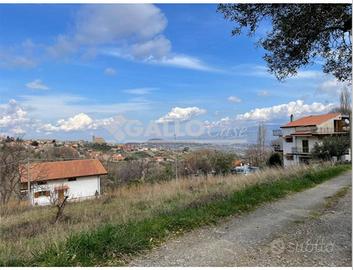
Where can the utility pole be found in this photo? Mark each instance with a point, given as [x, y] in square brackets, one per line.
[28, 182]
[176, 157]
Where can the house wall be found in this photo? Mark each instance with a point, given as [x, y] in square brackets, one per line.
[329, 123]
[311, 140]
[287, 146]
[297, 142]
[82, 188]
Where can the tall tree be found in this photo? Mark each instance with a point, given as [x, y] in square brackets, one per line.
[12, 154]
[345, 102]
[300, 34]
[345, 106]
[261, 138]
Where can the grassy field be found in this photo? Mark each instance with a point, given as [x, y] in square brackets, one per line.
[108, 230]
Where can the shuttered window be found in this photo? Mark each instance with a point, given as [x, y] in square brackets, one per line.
[42, 193]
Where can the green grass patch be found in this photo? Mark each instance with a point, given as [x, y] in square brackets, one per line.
[112, 244]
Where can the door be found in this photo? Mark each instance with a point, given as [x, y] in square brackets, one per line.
[305, 144]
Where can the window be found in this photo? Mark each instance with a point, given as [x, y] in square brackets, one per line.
[42, 182]
[72, 179]
[289, 139]
[289, 157]
[45, 193]
[305, 144]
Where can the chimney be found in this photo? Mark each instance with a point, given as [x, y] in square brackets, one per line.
[291, 118]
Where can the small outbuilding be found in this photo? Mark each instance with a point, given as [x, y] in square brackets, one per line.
[47, 182]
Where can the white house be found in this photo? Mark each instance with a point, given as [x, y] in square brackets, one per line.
[299, 136]
[50, 181]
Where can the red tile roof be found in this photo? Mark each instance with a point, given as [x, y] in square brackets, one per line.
[46, 171]
[311, 120]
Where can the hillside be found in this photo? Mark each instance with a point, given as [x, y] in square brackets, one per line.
[132, 218]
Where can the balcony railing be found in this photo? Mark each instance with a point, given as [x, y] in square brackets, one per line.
[316, 130]
[300, 150]
[277, 132]
[331, 130]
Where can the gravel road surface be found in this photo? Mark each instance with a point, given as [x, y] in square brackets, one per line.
[310, 228]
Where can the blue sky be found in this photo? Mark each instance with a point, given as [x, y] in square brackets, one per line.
[68, 70]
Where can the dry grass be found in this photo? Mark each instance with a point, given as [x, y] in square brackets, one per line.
[24, 230]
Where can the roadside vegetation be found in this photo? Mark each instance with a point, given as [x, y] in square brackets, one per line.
[130, 219]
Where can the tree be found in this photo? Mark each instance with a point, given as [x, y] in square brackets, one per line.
[11, 156]
[334, 146]
[261, 139]
[300, 34]
[59, 152]
[222, 162]
[207, 161]
[345, 102]
[59, 204]
[198, 161]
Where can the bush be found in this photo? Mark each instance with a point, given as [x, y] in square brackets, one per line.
[208, 161]
[275, 160]
[333, 146]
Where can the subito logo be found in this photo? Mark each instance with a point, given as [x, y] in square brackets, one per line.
[277, 246]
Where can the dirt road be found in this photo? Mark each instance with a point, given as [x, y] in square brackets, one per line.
[310, 228]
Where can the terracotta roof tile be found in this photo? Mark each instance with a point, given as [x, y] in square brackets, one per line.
[46, 171]
[311, 120]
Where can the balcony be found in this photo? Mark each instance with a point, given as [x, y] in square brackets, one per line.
[277, 147]
[300, 150]
[277, 132]
[320, 131]
[342, 130]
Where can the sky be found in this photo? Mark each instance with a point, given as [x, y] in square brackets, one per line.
[124, 71]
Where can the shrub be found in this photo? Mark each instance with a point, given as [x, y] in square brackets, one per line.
[275, 160]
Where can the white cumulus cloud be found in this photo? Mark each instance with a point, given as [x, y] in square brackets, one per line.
[13, 117]
[181, 114]
[37, 85]
[79, 122]
[297, 108]
[223, 122]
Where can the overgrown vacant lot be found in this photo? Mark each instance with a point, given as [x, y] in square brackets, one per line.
[107, 230]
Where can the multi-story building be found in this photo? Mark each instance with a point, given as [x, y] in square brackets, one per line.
[98, 140]
[299, 136]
